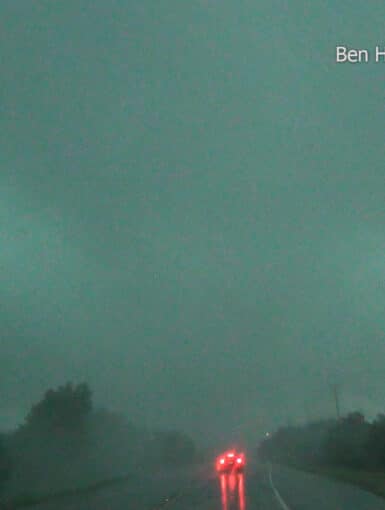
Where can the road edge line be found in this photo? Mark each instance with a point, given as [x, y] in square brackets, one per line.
[276, 493]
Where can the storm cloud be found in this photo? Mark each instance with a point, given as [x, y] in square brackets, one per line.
[192, 210]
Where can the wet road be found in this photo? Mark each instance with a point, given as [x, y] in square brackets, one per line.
[230, 492]
[257, 489]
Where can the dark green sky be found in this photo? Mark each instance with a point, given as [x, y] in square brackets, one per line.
[192, 208]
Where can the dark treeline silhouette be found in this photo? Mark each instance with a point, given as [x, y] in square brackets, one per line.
[64, 442]
[350, 442]
[5, 462]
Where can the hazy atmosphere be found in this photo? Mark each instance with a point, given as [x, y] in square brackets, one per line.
[192, 210]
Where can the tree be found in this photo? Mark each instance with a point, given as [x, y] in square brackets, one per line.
[376, 443]
[5, 462]
[61, 410]
[58, 422]
[346, 442]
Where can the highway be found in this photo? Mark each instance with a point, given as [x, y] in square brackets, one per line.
[259, 488]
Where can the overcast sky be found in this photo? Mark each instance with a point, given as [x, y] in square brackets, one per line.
[192, 209]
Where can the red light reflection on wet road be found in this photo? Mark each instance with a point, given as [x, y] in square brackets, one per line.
[241, 491]
[223, 481]
[232, 491]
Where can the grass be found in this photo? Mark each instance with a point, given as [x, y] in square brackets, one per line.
[31, 499]
[26, 500]
[372, 481]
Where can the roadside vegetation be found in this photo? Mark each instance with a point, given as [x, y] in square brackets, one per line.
[350, 449]
[65, 444]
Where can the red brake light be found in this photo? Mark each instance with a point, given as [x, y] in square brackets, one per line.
[239, 460]
[222, 461]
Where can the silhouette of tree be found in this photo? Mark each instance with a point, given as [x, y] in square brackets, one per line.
[57, 424]
[346, 442]
[61, 410]
[376, 443]
[5, 463]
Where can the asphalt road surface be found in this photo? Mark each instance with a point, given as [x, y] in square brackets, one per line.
[259, 488]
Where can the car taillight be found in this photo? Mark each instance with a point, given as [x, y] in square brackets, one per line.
[222, 461]
[239, 460]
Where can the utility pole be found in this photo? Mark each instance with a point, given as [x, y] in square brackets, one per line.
[337, 400]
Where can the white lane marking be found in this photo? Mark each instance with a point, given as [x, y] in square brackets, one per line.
[276, 493]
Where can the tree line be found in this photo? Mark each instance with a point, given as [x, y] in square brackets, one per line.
[64, 439]
[350, 442]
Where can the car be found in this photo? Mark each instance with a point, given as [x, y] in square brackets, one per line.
[230, 461]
